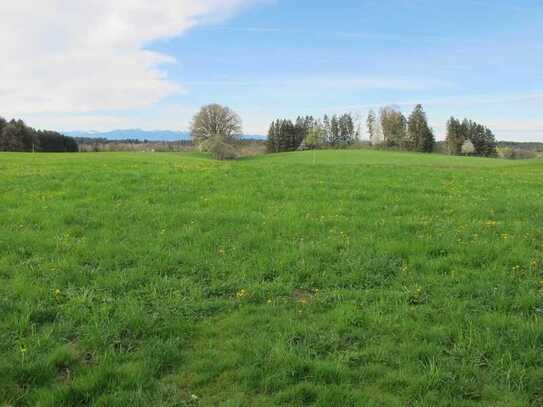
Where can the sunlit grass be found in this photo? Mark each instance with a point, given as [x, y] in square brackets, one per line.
[367, 278]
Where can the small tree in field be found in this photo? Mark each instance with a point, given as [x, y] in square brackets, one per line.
[468, 148]
[216, 129]
[315, 138]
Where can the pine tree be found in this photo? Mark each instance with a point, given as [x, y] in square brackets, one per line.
[491, 146]
[327, 128]
[346, 130]
[372, 127]
[283, 142]
[272, 145]
[12, 137]
[334, 131]
[286, 136]
[456, 136]
[300, 130]
[420, 136]
[483, 140]
[3, 142]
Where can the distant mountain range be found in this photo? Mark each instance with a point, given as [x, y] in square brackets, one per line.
[138, 134]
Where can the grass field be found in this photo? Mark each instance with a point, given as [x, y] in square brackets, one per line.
[366, 279]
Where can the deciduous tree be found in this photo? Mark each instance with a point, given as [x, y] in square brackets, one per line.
[217, 126]
[394, 126]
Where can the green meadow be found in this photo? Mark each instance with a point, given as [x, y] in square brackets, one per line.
[328, 278]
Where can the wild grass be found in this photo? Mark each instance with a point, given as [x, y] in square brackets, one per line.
[368, 278]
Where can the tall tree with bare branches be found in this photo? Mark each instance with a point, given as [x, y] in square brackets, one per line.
[216, 128]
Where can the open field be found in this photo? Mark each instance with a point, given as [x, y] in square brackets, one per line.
[367, 279]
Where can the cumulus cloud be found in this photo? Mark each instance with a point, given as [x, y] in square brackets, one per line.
[89, 55]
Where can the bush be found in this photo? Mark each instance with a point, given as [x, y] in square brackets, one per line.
[222, 150]
[517, 154]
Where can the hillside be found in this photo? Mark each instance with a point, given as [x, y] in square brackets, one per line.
[330, 278]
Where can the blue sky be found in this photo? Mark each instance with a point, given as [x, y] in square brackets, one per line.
[267, 59]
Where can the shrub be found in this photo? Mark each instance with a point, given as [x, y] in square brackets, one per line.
[222, 150]
[517, 154]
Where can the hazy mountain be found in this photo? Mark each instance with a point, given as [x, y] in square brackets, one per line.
[138, 134]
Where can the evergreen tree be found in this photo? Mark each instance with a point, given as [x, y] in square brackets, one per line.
[456, 136]
[12, 137]
[272, 142]
[3, 123]
[291, 136]
[334, 137]
[3, 143]
[483, 140]
[29, 136]
[491, 148]
[327, 126]
[420, 136]
[346, 134]
[282, 139]
[300, 131]
[372, 127]
[302, 126]
[17, 136]
[284, 135]
[50, 141]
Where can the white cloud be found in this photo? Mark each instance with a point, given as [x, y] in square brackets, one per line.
[160, 116]
[88, 55]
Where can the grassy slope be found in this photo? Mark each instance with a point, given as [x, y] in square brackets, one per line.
[371, 278]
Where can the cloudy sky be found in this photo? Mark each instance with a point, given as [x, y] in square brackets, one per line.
[103, 65]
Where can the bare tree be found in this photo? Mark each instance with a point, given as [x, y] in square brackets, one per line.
[216, 129]
[215, 121]
[394, 126]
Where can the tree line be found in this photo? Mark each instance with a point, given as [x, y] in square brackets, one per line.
[392, 129]
[388, 129]
[469, 138]
[309, 133]
[15, 135]
[216, 129]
